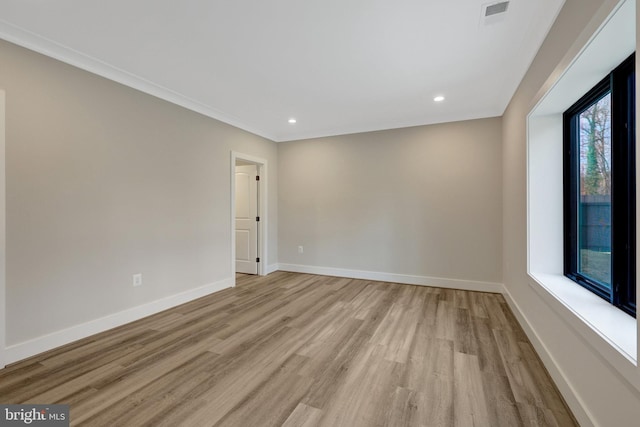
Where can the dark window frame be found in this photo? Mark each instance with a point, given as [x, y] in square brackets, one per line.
[621, 84]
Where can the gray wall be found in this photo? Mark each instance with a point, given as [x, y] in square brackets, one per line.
[607, 398]
[422, 201]
[104, 182]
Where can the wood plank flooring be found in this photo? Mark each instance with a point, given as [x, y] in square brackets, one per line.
[302, 350]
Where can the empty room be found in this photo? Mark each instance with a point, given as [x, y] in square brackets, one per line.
[318, 213]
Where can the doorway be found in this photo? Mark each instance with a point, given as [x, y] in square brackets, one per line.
[247, 219]
[249, 222]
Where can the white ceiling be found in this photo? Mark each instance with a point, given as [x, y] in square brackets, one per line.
[337, 66]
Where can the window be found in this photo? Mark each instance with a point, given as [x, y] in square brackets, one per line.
[599, 189]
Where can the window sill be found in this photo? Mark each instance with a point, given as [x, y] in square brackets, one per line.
[608, 330]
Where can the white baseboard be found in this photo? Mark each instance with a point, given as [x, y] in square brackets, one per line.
[467, 285]
[23, 350]
[568, 393]
[272, 268]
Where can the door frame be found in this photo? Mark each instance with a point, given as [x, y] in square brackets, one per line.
[261, 165]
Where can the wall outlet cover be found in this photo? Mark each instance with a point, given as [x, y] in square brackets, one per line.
[137, 279]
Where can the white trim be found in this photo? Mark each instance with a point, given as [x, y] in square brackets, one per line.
[262, 211]
[578, 408]
[272, 268]
[44, 343]
[439, 282]
[45, 46]
[3, 241]
[604, 328]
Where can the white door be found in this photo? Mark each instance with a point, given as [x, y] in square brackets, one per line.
[246, 219]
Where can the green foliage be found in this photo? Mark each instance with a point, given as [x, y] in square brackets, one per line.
[592, 176]
[595, 148]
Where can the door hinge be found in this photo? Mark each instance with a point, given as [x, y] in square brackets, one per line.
[257, 259]
[257, 177]
[258, 218]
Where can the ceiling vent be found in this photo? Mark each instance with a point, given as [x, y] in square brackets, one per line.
[493, 13]
[496, 8]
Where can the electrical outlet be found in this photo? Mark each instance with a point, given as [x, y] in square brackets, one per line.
[300, 249]
[137, 279]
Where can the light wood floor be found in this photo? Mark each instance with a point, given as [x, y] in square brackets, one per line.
[301, 350]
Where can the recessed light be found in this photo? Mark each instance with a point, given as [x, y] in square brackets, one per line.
[292, 121]
[439, 98]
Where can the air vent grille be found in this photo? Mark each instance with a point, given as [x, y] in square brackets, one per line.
[496, 8]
